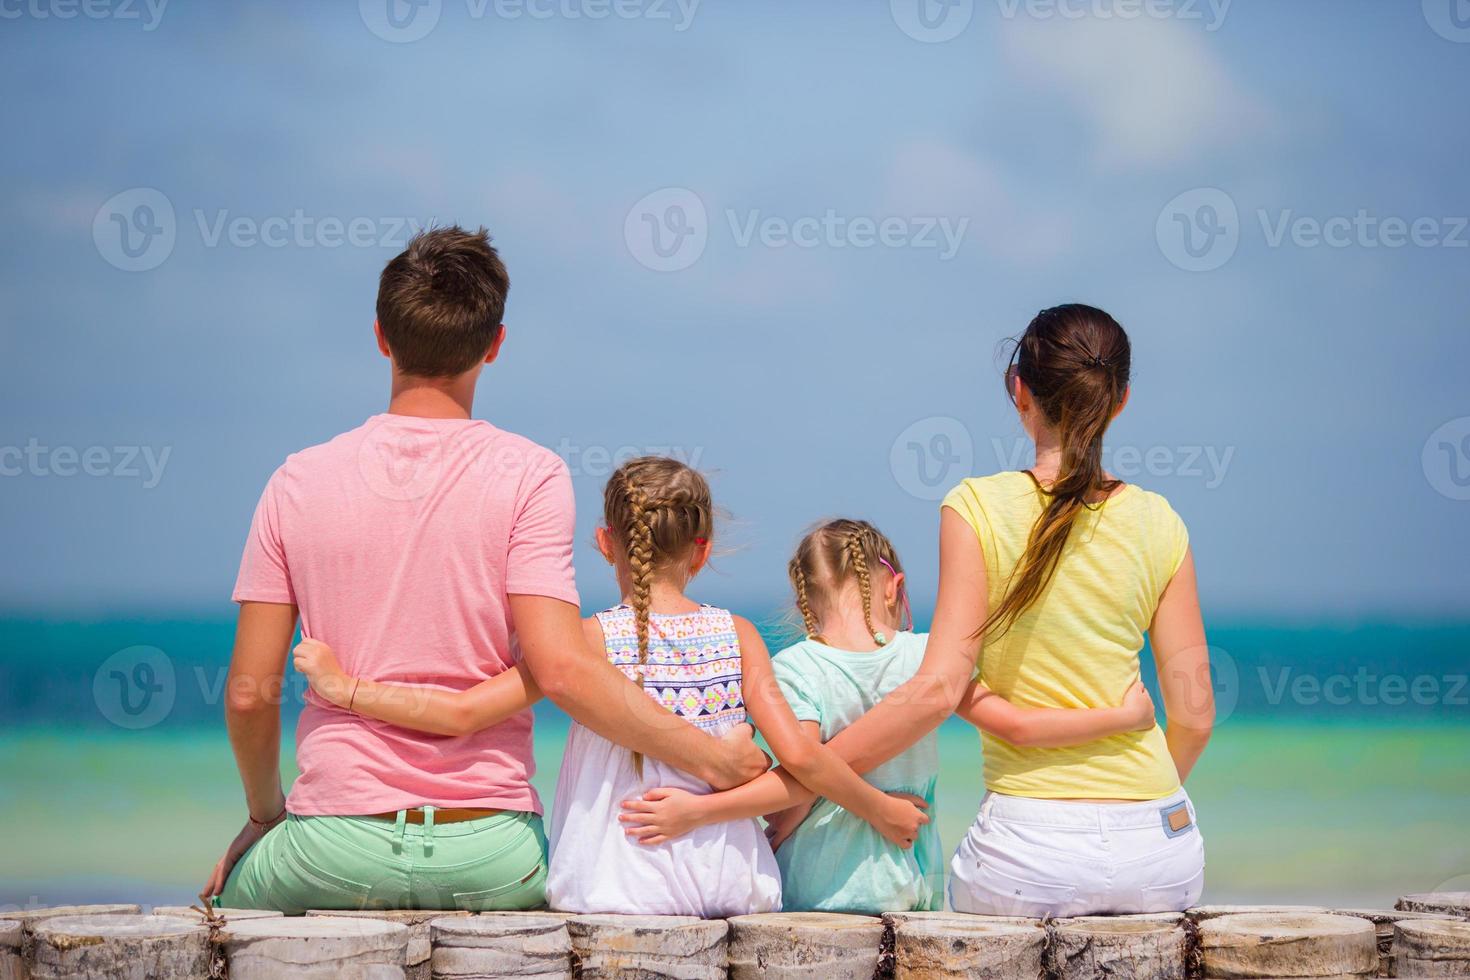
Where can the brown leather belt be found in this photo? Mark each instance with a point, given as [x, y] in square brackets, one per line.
[446, 815]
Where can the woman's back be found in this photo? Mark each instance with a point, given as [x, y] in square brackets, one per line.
[693, 669]
[1077, 646]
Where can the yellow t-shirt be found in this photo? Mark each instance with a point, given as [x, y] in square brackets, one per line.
[1078, 646]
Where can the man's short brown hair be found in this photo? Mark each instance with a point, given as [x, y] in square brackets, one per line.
[440, 302]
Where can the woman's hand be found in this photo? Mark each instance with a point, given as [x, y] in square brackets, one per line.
[661, 815]
[781, 825]
[247, 838]
[1138, 708]
[900, 819]
[316, 661]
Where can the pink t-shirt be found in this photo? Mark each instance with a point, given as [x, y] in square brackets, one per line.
[400, 542]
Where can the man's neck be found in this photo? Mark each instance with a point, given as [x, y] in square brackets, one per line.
[451, 398]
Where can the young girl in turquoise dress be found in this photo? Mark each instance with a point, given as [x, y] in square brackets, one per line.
[850, 593]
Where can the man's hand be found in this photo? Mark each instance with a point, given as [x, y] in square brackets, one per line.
[742, 760]
[247, 838]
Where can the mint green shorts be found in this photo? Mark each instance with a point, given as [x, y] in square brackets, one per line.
[495, 863]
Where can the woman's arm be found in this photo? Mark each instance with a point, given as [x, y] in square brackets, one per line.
[414, 706]
[916, 707]
[1055, 727]
[809, 761]
[1177, 636]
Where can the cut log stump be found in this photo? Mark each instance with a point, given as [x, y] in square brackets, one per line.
[967, 946]
[1292, 944]
[12, 936]
[28, 918]
[230, 915]
[501, 944]
[417, 921]
[1145, 947]
[1456, 904]
[1383, 920]
[1429, 948]
[1202, 913]
[626, 947]
[321, 948]
[799, 945]
[894, 918]
[119, 947]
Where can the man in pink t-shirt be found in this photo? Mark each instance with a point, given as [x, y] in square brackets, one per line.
[425, 547]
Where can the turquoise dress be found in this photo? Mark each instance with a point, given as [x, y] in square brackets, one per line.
[836, 862]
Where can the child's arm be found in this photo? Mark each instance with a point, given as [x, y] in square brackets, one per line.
[663, 814]
[423, 709]
[809, 761]
[1054, 727]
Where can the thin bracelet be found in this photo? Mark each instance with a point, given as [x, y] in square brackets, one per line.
[265, 824]
[350, 701]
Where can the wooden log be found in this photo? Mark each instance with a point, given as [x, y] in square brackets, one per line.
[12, 937]
[680, 947]
[1202, 913]
[1430, 948]
[1291, 944]
[968, 946]
[1142, 947]
[28, 918]
[417, 921]
[119, 947]
[229, 915]
[1383, 920]
[791, 945]
[321, 948]
[894, 918]
[1455, 904]
[499, 944]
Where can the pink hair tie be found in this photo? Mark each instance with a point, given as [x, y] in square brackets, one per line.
[903, 590]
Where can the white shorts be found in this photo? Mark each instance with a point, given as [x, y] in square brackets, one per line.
[1039, 858]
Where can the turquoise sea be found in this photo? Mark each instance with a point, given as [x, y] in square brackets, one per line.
[1339, 771]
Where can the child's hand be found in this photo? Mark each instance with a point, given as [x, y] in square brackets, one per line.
[661, 815]
[781, 825]
[1138, 707]
[318, 663]
[900, 819]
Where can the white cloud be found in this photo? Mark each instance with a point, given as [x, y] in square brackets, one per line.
[1152, 90]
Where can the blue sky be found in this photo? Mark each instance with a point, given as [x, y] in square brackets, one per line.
[851, 216]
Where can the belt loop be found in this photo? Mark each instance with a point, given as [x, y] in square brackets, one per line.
[428, 831]
[398, 825]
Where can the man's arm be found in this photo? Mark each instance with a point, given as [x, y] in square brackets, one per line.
[253, 716]
[594, 692]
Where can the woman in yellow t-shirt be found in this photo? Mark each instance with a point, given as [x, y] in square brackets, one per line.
[1049, 579]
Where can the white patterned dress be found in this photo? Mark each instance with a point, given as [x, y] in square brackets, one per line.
[717, 871]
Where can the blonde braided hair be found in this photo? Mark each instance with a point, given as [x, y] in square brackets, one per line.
[832, 554]
[658, 509]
